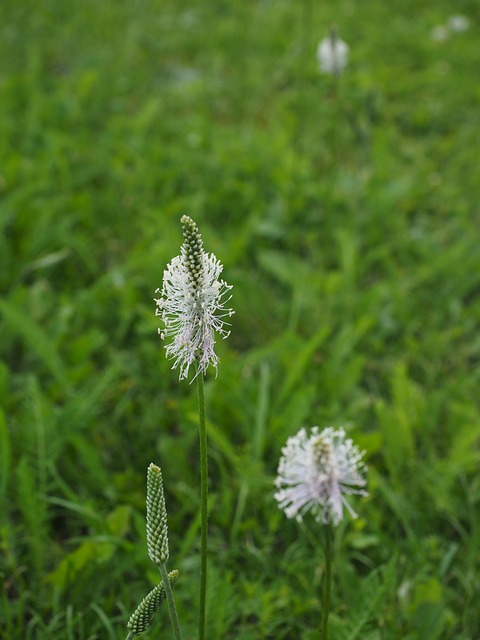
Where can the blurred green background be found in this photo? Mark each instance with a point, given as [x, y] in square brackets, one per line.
[346, 213]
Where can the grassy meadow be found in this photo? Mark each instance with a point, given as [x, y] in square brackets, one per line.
[346, 213]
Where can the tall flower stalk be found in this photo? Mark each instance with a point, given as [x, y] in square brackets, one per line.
[332, 58]
[192, 307]
[315, 473]
[203, 506]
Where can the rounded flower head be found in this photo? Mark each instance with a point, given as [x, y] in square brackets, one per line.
[316, 472]
[192, 304]
[332, 54]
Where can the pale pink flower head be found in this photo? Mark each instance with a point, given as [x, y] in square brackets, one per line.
[316, 472]
[192, 304]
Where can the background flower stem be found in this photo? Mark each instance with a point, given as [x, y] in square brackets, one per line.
[203, 505]
[327, 584]
[171, 602]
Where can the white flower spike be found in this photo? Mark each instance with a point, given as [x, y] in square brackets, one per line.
[192, 304]
[332, 54]
[316, 472]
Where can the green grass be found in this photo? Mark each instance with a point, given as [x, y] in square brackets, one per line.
[347, 219]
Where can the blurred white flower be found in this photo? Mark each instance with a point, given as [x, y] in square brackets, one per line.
[458, 23]
[192, 304]
[439, 33]
[316, 472]
[332, 54]
[455, 24]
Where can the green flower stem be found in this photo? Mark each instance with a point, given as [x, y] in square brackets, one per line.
[130, 636]
[203, 505]
[171, 602]
[327, 583]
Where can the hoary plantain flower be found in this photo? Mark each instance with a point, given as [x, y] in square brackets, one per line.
[192, 304]
[332, 54]
[316, 472]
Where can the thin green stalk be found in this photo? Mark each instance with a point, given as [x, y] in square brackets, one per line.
[304, 75]
[334, 167]
[203, 505]
[130, 636]
[327, 584]
[171, 602]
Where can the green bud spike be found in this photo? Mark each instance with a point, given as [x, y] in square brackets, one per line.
[157, 530]
[192, 249]
[142, 616]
